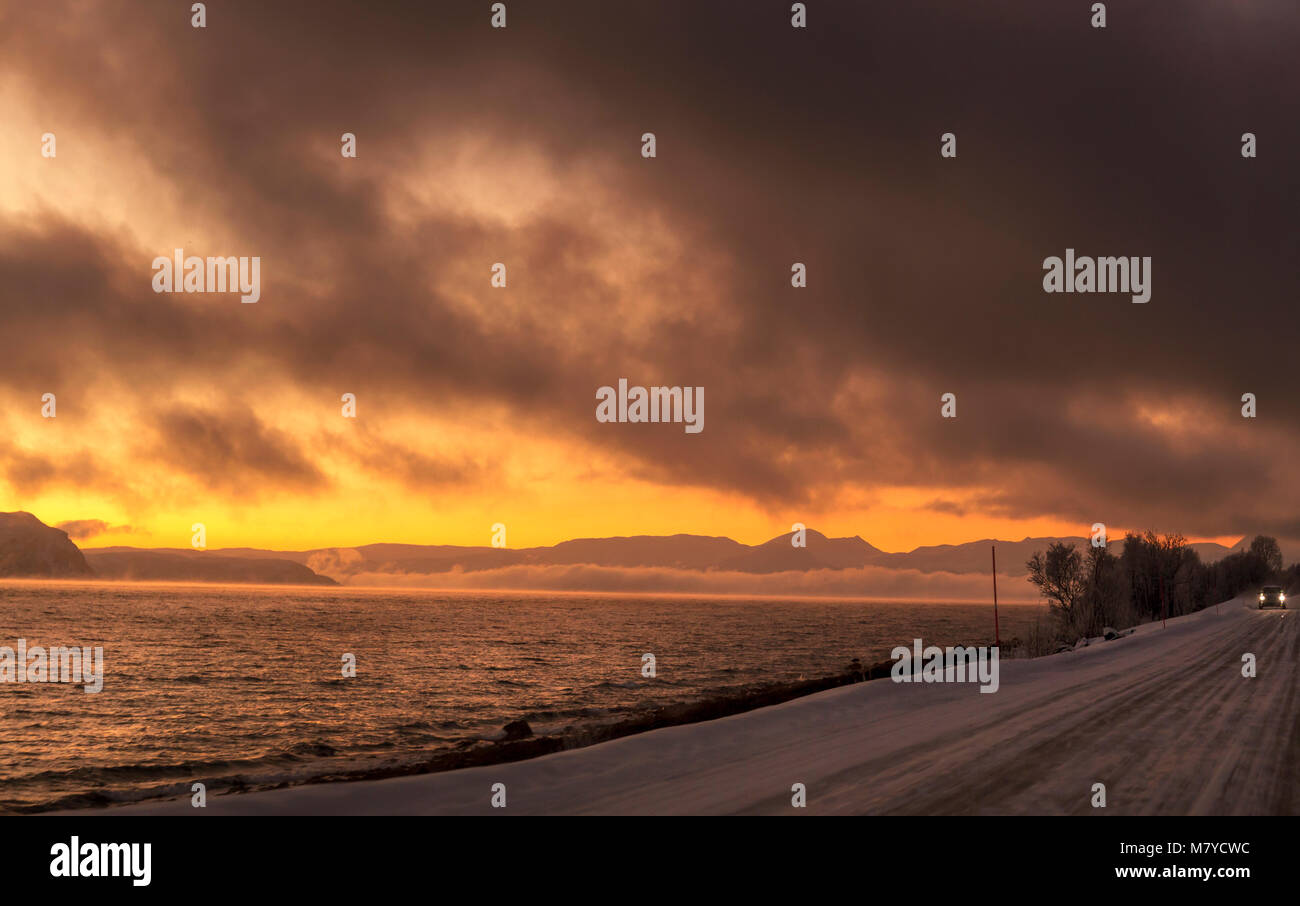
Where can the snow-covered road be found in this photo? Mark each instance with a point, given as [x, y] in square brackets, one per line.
[1164, 718]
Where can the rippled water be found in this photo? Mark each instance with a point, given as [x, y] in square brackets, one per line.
[237, 685]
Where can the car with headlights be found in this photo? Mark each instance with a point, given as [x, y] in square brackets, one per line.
[1272, 596]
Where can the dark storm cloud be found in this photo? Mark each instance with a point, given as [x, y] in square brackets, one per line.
[775, 146]
[28, 472]
[412, 468]
[224, 449]
[82, 529]
[946, 506]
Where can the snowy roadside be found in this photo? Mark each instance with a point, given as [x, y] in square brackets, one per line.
[1163, 717]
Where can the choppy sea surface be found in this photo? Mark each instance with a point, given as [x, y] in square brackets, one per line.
[239, 686]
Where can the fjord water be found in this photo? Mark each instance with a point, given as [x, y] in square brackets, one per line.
[241, 687]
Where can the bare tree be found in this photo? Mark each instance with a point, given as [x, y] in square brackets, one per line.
[1061, 577]
[1267, 550]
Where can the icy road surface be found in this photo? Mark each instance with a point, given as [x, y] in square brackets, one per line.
[1164, 718]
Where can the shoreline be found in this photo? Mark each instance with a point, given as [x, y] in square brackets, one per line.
[519, 744]
[1035, 747]
[523, 745]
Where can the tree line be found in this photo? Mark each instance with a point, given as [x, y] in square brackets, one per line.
[1154, 576]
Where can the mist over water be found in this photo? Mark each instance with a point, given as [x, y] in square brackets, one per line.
[241, 687]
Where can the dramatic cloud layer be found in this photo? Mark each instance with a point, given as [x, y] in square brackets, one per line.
[775, 145]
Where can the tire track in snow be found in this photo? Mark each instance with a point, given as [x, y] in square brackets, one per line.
[1185, 734]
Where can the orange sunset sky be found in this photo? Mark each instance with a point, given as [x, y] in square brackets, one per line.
[476, 404]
